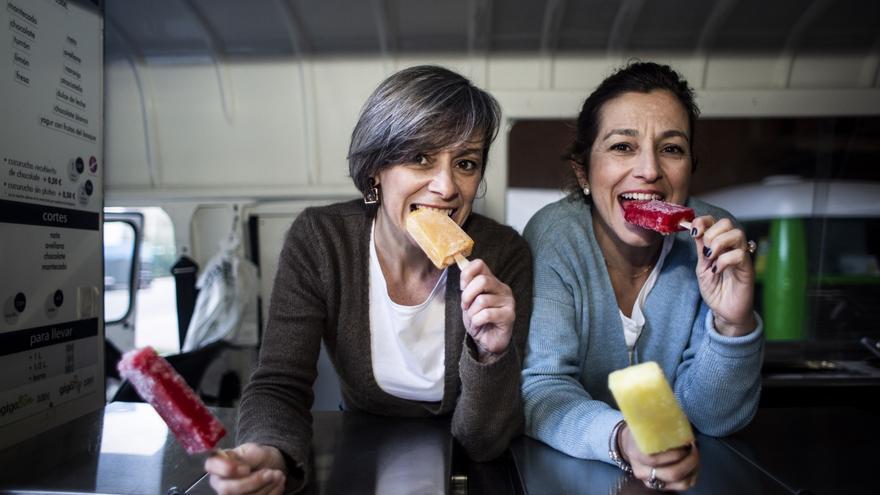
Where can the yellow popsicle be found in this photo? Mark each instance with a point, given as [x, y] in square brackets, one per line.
[653, 415]
[439, 236]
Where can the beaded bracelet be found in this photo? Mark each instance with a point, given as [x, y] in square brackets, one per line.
[614, 453]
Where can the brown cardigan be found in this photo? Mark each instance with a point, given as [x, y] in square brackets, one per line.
[321, 291]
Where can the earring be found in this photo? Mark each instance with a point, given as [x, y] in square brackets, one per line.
[586, 190]
[371, 195]
[481, 191]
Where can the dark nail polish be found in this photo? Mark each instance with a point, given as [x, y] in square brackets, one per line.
[694, 232]
[706, 251]
[714, 268]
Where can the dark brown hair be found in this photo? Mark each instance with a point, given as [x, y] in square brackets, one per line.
[635, 77]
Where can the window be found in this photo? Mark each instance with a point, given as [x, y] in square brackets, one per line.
[151, 310]
[120, 242]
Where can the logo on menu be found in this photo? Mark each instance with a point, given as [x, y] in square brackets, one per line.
[23, 401]
[75, 384]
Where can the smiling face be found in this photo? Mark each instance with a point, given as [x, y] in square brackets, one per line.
[642, 151]
[446, 180]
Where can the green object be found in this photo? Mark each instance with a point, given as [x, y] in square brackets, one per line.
[785, 281]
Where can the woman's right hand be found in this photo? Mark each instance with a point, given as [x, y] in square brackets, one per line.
[676, 469]
[249, 468]
[488, 310]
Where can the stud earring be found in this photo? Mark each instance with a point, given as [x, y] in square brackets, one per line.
[586, 191]
[371, 195]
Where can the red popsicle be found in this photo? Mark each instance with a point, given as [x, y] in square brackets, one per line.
[663, 217]
[194, 426]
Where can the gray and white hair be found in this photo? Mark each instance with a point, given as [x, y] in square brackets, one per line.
[419, 110]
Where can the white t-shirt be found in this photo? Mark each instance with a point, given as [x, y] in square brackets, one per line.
[632, 327]
[407, 342]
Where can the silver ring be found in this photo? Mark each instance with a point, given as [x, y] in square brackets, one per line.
[751, 247]
[653, 482]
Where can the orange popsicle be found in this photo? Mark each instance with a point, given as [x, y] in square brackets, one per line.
[440, 237]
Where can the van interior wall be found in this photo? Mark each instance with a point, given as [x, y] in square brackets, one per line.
[268, 129]
[271, 135]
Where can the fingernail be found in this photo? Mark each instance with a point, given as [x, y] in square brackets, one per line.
[714, 268]
[706, 251]
[694, 232]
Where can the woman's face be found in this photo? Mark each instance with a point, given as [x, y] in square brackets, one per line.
[447, 180]
[642, 151]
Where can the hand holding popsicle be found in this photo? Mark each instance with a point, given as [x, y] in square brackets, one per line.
[488, 306]
[657, 440]
[488, 310]
[726, 274]
[249, 468]
[194, 426]
[676, 469]
[724, 269]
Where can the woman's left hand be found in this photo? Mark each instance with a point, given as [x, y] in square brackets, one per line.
[726, 274]
[487, 308]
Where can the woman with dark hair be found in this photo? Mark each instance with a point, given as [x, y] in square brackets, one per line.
[406, 338]
[609, 294]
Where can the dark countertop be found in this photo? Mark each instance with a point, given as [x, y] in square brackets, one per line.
[813, 450]
[546, 471]
[133, 454]
[784, 450]
[365, 454]
[820, 383]
[827, 373]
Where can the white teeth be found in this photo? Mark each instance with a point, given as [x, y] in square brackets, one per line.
[447, 211]
[641, 196]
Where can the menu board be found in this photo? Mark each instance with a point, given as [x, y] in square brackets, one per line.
[51, 183]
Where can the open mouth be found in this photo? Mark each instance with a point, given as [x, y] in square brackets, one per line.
[629, 197]
[446, 211]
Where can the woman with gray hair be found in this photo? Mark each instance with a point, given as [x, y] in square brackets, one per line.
[406, 338]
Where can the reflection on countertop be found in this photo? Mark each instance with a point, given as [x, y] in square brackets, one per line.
[821, 383]
[133, 453]
[818, 370]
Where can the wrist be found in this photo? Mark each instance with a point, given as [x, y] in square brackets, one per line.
[486, 357]
[615, 453]
[480, 353]
[279, 460]
[735, 329]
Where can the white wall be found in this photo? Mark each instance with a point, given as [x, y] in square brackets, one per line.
[280, 128]
[203, 131]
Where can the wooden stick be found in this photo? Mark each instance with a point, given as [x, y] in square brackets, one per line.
[685, 225]
[461, 261]
[222, 453]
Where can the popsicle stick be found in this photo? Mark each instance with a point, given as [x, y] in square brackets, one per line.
[461, 261]
[685, 225]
